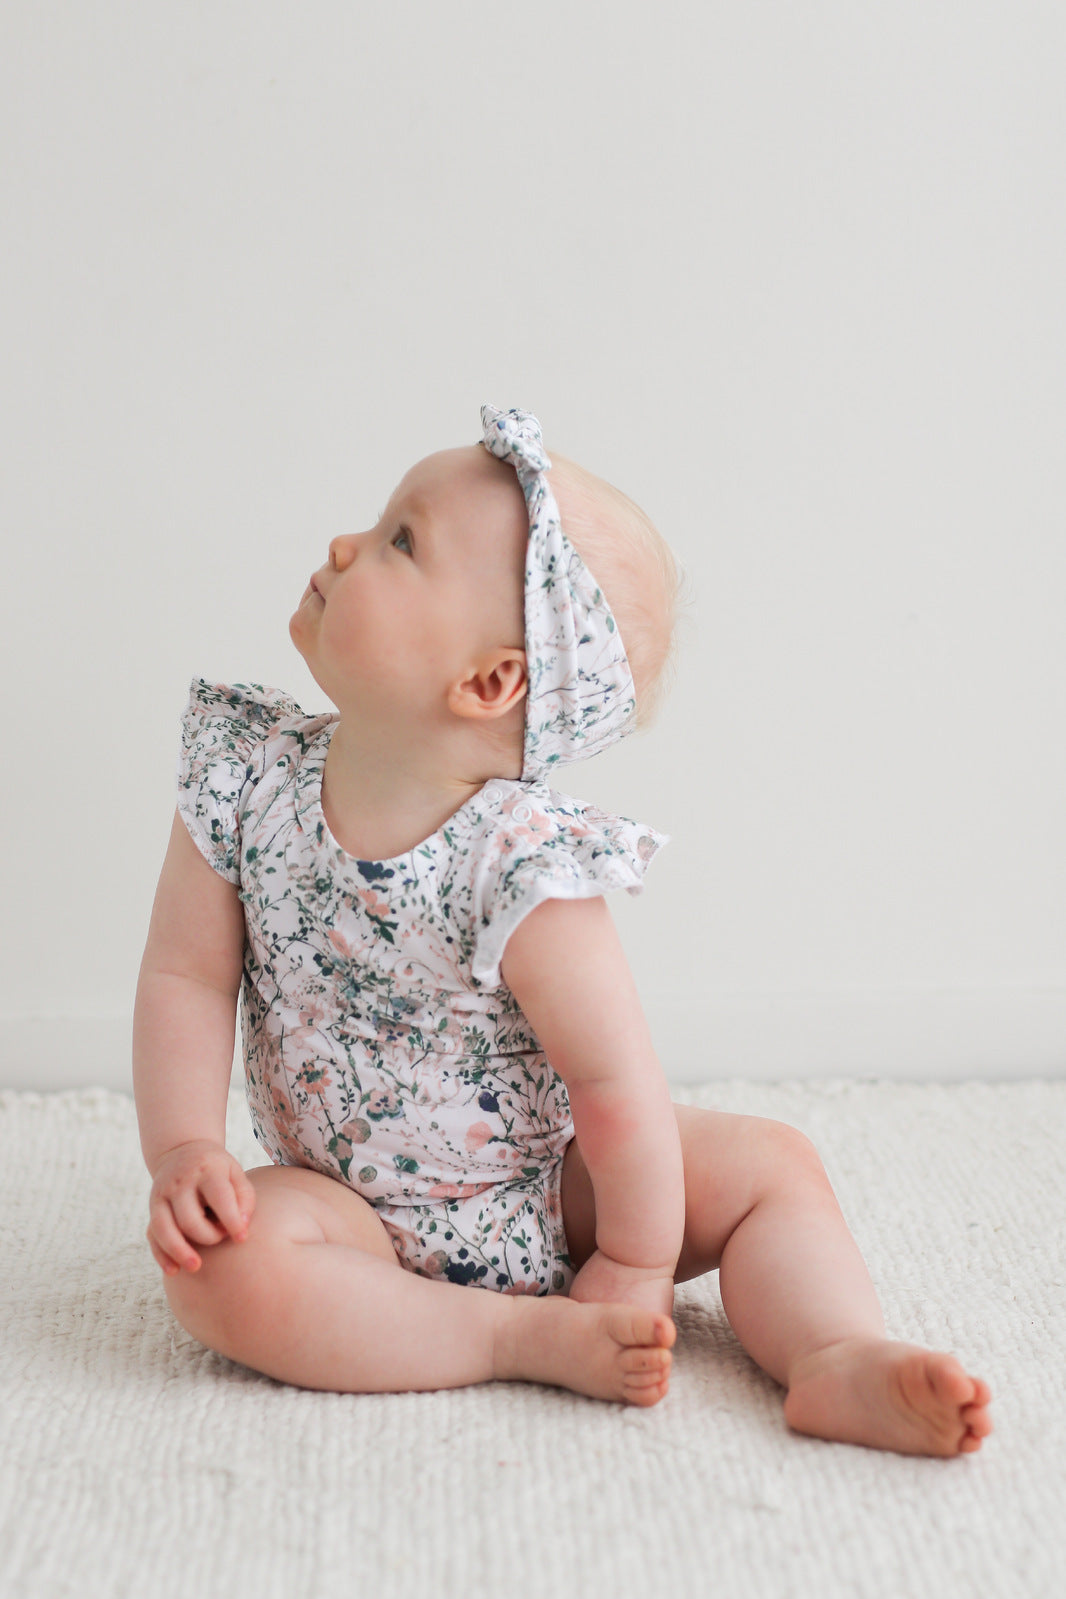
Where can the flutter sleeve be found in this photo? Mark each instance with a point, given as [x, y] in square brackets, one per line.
[224, 729]
[559, 851]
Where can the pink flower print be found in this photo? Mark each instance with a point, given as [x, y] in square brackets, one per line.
[377, 910]
[477, 1136]
[314, 1078]
[356, 1132]
[340, 943]
[522, 1288]
[312, 1013]
[501, 845]
[375, 905]
[382, 1102]
[283, 1112]
[290, 1145]
[456, 1190]
[435, 1265]
[529, 823]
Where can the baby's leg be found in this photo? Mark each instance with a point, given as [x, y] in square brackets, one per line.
[315, 1296]
[760, 1208]
[799, 1297]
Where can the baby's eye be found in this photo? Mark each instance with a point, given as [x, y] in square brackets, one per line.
[406, 537]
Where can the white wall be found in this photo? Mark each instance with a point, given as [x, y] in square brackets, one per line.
[791, 276]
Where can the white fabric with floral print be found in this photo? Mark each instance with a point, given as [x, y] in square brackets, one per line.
[381, 1045]
[580, 697]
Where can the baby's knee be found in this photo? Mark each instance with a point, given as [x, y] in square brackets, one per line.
[231, 1296]
[206, 1301]
[789, 1153]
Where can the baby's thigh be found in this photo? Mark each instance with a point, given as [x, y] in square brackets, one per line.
[306, 1206]
[238, 1283]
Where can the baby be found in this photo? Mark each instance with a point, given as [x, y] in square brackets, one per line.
[446, 1058]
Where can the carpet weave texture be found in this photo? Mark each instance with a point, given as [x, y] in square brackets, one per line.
[135, 1462]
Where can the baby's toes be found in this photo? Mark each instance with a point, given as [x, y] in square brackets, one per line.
[631, 1326]
[977, 1421]
[982, 1392]
[652, 1363]
[642, 1387]
[948, 1382]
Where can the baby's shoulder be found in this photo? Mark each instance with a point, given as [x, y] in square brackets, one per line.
[527, 822]
[535, 843]
[526, 812]
[238, 717]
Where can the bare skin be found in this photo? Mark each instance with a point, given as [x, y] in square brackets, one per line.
[414, 630]
[760, 1210]
[310, 1292]
[890, 1396]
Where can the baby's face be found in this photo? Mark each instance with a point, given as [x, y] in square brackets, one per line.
[401, 611]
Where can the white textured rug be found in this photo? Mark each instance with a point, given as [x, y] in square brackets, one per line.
[134, 1462]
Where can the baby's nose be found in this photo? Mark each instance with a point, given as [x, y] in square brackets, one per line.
[342, 551]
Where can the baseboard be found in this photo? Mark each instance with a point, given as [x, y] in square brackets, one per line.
[936, 1034]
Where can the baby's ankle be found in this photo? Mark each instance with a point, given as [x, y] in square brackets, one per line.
[836, 1351]
[536, 1336]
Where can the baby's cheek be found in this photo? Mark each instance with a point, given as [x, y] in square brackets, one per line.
[344, 634]
[360, 646]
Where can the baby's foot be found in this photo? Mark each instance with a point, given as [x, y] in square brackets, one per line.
[606, 1351]
[889, 1396]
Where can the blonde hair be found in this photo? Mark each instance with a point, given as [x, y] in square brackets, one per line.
[641, 577]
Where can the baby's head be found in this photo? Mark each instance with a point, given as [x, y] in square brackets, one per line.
[636, 569]
[418, 625]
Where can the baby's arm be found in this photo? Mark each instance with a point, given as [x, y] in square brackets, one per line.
[183, 1030]
[565, 965]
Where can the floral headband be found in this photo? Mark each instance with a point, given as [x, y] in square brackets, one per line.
[580, 696]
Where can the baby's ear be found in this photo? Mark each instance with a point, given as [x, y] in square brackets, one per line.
[495, 684]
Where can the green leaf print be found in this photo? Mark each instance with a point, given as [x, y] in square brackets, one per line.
[364, 1028]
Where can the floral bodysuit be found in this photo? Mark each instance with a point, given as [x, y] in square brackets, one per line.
[381, 1045]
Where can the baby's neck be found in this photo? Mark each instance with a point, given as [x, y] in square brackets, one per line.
[379, 804]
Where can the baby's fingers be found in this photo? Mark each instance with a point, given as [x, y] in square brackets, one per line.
[229, 1209]
[169, 1266]
[169, 1246]
[194, 1219]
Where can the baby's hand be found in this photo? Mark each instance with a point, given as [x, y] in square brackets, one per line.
[200, 1194]
[602, 1280]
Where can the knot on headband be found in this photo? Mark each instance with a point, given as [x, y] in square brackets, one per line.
[514, 436]
[579, 696]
